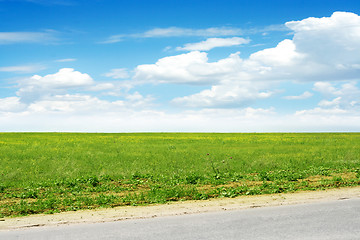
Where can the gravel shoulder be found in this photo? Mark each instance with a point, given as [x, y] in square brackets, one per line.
[176, 208]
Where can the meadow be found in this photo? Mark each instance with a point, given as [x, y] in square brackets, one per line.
[55, 172]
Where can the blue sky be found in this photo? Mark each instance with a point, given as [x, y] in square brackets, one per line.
[213, 66]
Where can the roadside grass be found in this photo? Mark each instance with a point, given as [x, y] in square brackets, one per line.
[55, 172]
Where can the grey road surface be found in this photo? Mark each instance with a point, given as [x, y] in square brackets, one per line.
[328, 220]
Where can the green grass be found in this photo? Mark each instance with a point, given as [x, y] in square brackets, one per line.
[54, 172]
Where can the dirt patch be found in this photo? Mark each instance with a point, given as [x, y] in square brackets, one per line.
[177, 208]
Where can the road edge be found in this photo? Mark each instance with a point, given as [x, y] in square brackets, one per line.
[177, 208]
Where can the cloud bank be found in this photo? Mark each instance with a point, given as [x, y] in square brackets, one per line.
[321, 52]
[321, 49]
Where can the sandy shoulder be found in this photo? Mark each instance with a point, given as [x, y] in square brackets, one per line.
[177, 208]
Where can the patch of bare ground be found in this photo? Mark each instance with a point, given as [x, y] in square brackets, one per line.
[178, 208]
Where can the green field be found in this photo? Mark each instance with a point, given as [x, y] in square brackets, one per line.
[54, 172]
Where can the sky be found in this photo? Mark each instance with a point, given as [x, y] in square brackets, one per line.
[179, 66]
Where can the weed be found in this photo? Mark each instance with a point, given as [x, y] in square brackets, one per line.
[29, 193]
[193, 178]
[2, 188]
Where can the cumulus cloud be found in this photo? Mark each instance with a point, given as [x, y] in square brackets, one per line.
[330, 45]
[136, 100]
[345, 96]
[333, 103]
[236, 81]
[194, 68]
[64, 78]
[325, 88]
[211, 43]
[54, 93]
[283, 55]
[11, 104]
[321, 49]
[337, 100]
[184, 68]
[348, 89]
[223, 96]
[37, 86]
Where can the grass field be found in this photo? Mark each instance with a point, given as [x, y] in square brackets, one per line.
[54, 172]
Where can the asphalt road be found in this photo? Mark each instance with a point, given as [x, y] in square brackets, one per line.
[328, 220]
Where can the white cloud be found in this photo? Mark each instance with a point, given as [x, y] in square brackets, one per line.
[284, 54]
[333, 103]
[60, 115]
[27, 37]
[101, 87]
[11, 104]
[117, 73]
[330, 45]
[75, 104]
[120, 89]
[343, 99]
[136, 100]
[113, 39]
[211, 43]
[66, 60]
[338, 19]
[330, 89]
[66, 78]
[325, 88]
[23, 68]
[208, 120]
[181, 32]
[322, 49]
[178, 32]
[85, 104]
[345, 96]
[53, 93]
[191, 32]
[223, 96]
[305, 95]
[184, 68]
[194, 68]
[322, 112]
[114, 88]
[69, 104]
